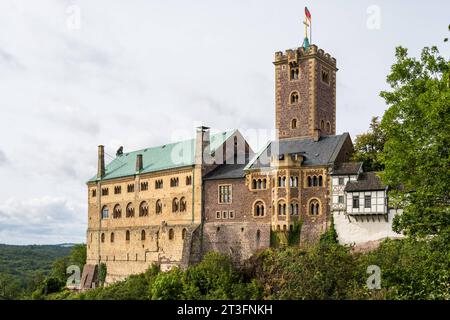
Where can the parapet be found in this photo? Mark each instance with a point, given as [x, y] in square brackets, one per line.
[300, 53]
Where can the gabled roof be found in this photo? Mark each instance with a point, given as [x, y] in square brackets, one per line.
[322, 152]
[347, 168]
[367, 181]
[164, 157]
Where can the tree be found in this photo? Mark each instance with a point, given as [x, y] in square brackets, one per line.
[78, 255]
[416, 152]
[369, 145]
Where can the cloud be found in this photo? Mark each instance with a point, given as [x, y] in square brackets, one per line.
[3, 159]
[41, 220]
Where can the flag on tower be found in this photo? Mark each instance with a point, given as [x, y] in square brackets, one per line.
[308, 14]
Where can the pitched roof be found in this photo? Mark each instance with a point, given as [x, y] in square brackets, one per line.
[164, 157]
[322, 152]
[227, 171]
[347, 168]
[367, 181]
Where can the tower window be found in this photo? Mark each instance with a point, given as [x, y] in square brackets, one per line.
[294, 97]
[325, 76]
[94, 193]
[294, 71]
[328, 127]
[322, 125]
[294, 124]
[314, 207]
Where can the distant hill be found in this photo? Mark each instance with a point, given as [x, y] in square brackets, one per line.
[30, 262]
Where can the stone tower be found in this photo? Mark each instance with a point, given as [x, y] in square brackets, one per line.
[305, 93]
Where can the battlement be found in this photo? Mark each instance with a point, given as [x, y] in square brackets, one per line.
[291, 55]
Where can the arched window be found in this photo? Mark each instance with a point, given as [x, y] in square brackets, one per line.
[294, 97]
[328, 127]
[293, 209]
[315, 181]
[264, 183]
[171, 234]
[314, 207]
[320, 181]
[279, 182]
[254, 184]
[281, 208]
[175, 205]
[105, 212]
[117, 213]
[294, 71]
[130, 210]
[158, 206]
[183, 233]
[183, 204]
[258, 209]
[103, 237]
[296, 182]
[322, 125]
[127, 235]
[143, 235]
[294, 124]
[283, 182]
[259, 184]
[309, 182]
[143, 209]
[112, 237]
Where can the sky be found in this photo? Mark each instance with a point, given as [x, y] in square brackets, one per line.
[76, 74]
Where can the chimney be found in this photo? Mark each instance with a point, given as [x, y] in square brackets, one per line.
[101, 162]
[139, 163]
[202, 147]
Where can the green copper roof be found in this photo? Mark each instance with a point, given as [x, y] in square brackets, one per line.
[306, 43]
[168, 156]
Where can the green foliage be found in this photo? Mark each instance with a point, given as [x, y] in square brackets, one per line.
[285, 238]
[416, 152]
[26, 267]
[330, 237]
[78, 256]
[102, 271]
[368, 147]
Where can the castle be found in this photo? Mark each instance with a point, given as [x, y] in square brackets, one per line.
[171, 204]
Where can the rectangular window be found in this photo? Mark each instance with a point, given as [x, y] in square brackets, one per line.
[367, 202]
[94, 193]
[341, 181]
[188, 180]
[130, 187]
[117, 189]
[341, 199]
[105, 191]
[225, 194]
[355, 202]
[158, 184]
[225, 215]
[231, 214]
[144, 186]
[218, 216]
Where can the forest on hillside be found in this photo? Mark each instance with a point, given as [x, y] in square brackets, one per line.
[22, 268]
